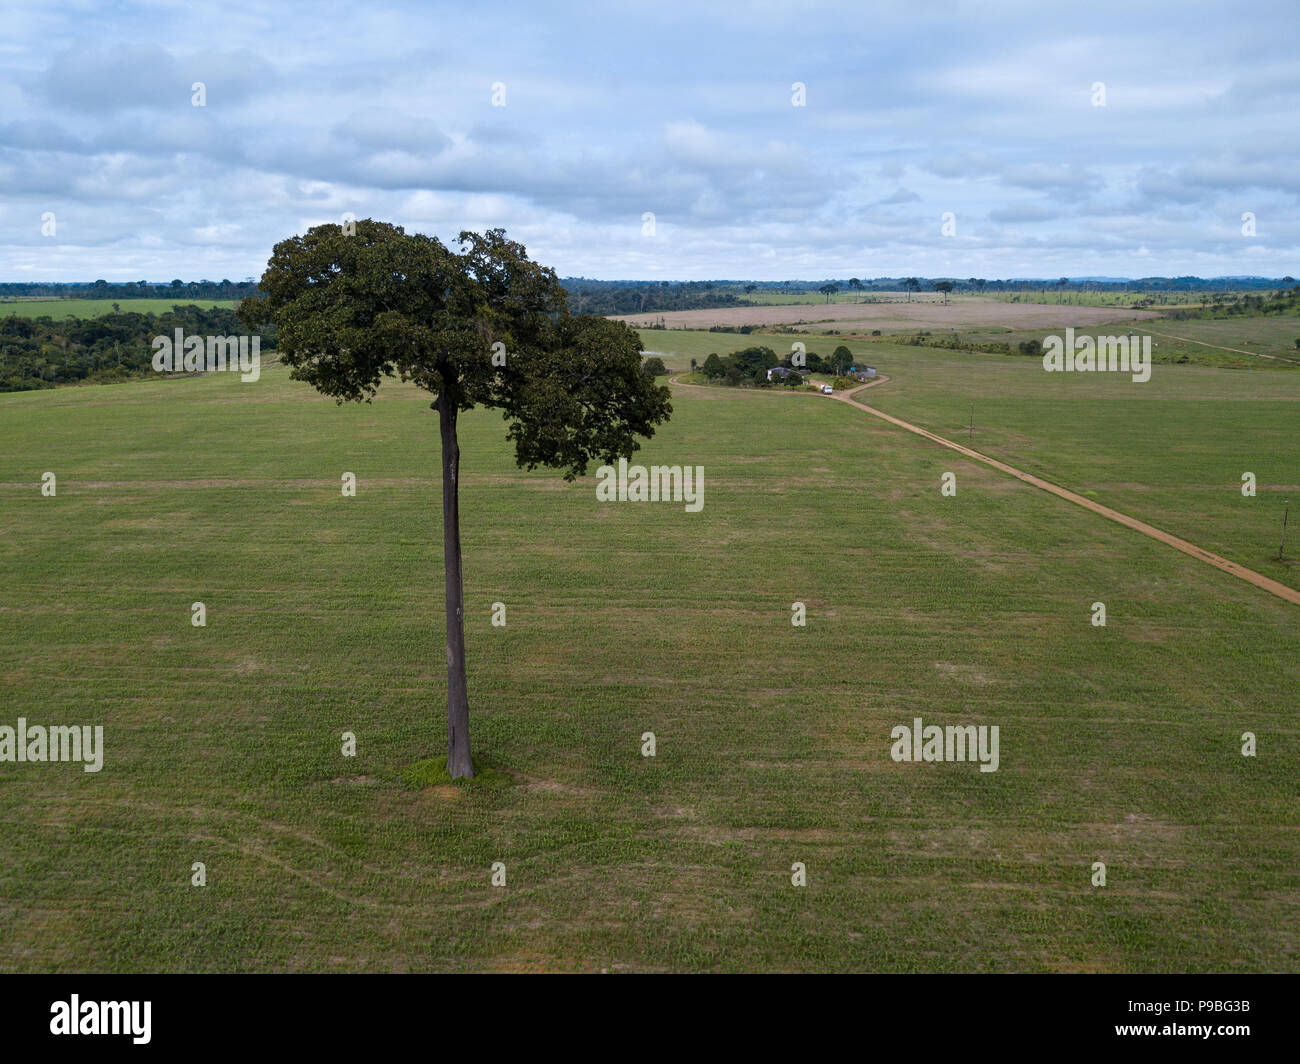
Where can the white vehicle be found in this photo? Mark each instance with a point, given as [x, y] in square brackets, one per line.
[827, 390]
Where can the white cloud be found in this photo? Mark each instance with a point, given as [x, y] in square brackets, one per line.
[675, 108]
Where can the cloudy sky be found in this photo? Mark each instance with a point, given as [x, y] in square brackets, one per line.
[686, 110]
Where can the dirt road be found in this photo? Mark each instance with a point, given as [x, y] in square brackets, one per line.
[1200, 553]
[1220, 347]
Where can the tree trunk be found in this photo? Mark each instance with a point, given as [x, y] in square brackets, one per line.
[458, 758]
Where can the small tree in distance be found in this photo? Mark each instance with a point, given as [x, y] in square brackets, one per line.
[482, 327]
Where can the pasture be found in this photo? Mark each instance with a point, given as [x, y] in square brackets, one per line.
[58, 309]
[223, 744]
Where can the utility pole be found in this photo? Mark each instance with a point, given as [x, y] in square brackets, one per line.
[1286, 509]
[971, 434]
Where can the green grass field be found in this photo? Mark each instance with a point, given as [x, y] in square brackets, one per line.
[94, 308]
[1118, 744]
[1276, 335]
[1170, 451]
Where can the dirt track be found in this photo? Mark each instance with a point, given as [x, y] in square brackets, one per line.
[1200, 553]
[1218, 347]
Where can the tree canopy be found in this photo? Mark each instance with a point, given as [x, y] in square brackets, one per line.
[354, 309]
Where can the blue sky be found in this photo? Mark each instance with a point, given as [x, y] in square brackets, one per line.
[984, 110]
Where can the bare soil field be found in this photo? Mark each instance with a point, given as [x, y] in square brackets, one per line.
[962, 313]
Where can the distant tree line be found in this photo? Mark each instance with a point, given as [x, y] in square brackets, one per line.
[588, 296]
[644, 297]
[44, 353]
[637, 297]
[978, 285]
[176, 289]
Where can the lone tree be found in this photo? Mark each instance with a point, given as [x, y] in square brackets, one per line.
[484, 326]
